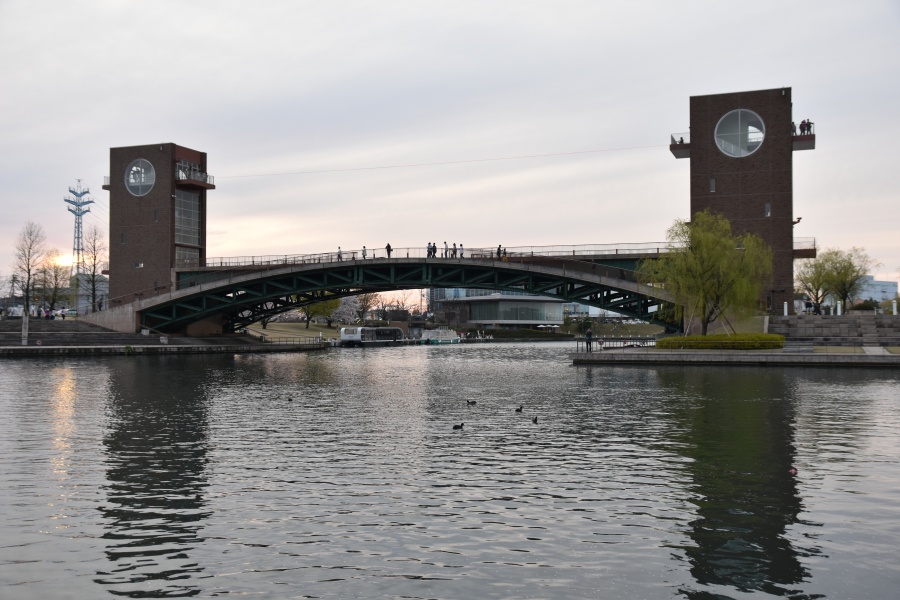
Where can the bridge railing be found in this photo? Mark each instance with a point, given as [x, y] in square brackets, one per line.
[422, 252]
[580, 250]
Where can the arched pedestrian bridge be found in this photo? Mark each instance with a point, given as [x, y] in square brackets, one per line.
[228, 294]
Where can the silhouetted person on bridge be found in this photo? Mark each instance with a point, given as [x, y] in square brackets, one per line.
[454, 250]
[499, 252]
[388, 249]
[340, 255]
[364, 253]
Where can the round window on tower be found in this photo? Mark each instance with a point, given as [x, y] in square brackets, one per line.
[740, 133]
[140, 177]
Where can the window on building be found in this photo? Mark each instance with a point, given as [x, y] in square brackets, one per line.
[187, 218]
[712, 184]
[187, 257]
[768, 210]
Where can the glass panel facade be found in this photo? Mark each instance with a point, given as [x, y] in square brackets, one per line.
[187, 257]
[515, 311]
[187, 218]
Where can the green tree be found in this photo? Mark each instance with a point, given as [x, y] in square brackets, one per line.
[811, 278]
[319, 309]
[709, 270]
[845, 270]
[585, 323]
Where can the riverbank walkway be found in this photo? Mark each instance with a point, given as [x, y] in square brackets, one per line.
[77, 338]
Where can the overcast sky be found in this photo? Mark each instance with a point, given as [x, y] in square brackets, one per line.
[293, 101]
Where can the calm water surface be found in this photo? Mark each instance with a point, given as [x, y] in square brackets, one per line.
[339, 475]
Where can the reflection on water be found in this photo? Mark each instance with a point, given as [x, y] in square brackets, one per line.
[156, 448]
[338, 474]
[740, 440]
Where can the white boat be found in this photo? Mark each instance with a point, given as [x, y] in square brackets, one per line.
[370, 336]
[441, 335]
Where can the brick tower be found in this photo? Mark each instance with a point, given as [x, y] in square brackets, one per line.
[741, 148]
[157, 217]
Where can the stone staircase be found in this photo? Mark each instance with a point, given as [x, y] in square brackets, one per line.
[853, 329]
[77, 333]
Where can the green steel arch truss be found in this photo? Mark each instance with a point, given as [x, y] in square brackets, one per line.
[243, 297]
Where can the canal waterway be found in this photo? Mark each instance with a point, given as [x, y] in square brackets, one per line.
[338, 474]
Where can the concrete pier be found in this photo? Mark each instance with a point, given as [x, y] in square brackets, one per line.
[758, 358]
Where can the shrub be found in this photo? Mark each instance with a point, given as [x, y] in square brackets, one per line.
[738, 341]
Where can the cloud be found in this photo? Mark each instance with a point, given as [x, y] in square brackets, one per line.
[286, 87]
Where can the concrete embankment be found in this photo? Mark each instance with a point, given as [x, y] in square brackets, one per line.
[758, 358]
[100, 350]
[77, 338]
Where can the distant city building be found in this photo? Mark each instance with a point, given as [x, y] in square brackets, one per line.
[879, 291]
[487, 309]
[490, 309]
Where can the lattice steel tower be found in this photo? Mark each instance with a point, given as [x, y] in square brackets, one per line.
[79, 202]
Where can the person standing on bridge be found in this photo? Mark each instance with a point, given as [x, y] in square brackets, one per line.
[499, 252]
[454, 250]
[364, 253]
[388, 249]
[461, 251]
[446, 251]
[340, 255]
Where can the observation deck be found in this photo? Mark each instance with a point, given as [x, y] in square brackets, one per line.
[680, 143]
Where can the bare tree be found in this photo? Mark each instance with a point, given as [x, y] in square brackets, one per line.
[366, 302]
[95, 259]
[29, 254]
[402, 299]
[53, 279]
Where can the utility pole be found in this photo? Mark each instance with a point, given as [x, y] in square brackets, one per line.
[79, 202]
